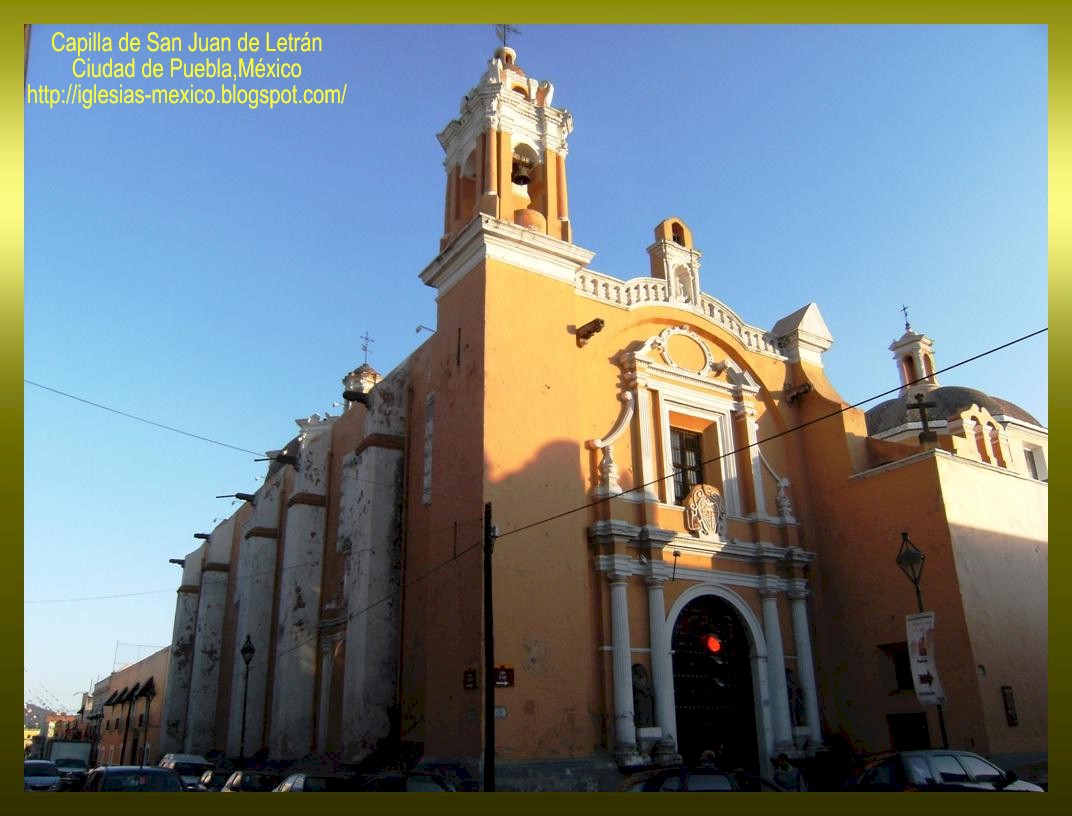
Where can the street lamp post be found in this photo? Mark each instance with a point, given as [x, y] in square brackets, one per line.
[910, 559]
[247, 651]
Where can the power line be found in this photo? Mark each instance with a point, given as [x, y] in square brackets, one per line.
[793, 429]
[236, 577]
[100, 597]
[207, 439]
[140, 419]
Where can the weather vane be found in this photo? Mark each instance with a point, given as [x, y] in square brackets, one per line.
[906, 326]
[364, 346]
[502, 31]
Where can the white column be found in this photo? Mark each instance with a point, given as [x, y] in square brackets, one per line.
[662, 670]
[625, 746]
[646, 431]
[751, 439]
[772, 630]
[805, 667]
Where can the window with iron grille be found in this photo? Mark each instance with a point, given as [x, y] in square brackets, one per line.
[686, 457]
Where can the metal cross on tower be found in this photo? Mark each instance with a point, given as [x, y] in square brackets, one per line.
[927, 435]
[365, 345]
[502, 31]
[906, 326]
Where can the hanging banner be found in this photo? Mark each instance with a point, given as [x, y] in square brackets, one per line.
[921, 659]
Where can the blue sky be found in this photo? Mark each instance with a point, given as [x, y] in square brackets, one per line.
[213, 268]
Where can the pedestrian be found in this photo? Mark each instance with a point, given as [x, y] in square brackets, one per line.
[787, 775]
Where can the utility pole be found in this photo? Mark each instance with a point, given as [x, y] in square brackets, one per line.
[489, 656]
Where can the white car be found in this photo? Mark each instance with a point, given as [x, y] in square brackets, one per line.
[189, 766]
[40, 775]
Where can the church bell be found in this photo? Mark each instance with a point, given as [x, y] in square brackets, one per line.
[522, 170]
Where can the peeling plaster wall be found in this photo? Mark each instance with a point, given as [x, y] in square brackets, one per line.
[180, 665]
[295, 669]
[254, 597]
[370, 530]
[205, 673]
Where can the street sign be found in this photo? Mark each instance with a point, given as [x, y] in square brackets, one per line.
[469, 679]
[920, 629]
[504, 677]
[500, 712]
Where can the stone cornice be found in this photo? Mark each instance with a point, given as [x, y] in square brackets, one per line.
[311, 499]
[488, 238]
[261, 532]
[380, 440]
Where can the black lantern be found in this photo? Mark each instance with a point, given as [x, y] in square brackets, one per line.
[910, 559]
[247, 651]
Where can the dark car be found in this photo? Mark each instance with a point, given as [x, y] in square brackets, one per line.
[706, 780]
[252, 781]
[937, 770]
[409, 781]
[133, 779]
[73, 772]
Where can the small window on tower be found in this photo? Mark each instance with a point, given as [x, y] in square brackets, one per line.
[686, 460]
[677, 232]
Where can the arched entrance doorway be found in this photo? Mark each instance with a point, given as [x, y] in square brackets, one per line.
[713, 690]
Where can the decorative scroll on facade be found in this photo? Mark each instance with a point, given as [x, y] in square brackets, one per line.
[705, 512]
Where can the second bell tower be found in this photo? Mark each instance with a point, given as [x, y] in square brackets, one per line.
[506, 154]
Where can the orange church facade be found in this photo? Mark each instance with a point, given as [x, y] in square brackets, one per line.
[696, 535]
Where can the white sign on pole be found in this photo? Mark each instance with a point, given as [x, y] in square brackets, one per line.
[921, 659]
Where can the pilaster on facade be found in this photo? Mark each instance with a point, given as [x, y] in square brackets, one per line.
[370, 533]
[180, 663]
[665, 752]
[293, 684]
[805, 664]
[254, 602]
[625, 742]
[200, 735]
[772, 629]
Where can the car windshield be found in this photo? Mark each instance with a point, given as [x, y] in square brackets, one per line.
[191, 768]
[709, 782]
[258, 782]
[317, 784]
[142, 780]
[39, 769]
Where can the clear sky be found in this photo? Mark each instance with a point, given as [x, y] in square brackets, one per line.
[213, 268]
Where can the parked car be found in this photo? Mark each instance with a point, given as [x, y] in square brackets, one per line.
[252, 781]
[189, 766]
[133, 778]
[937, 770]
[410, 781]
[40, 775]
[73, 772]
[213, 780]
[319, 783]
[703, 779]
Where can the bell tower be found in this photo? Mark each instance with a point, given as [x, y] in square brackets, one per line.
[914, 355]
[506, 154]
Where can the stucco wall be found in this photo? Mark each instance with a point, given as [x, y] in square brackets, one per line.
[998, 525]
